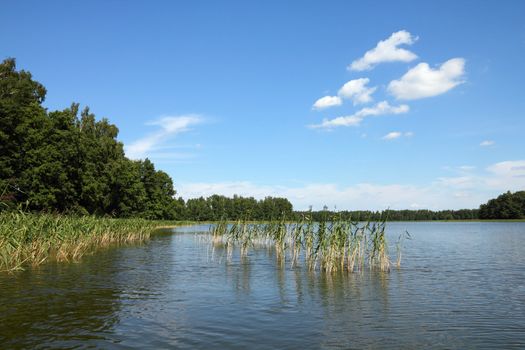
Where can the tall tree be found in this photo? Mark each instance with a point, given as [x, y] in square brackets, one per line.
[21, 123]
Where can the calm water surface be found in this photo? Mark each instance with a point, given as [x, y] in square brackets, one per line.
[461, 285]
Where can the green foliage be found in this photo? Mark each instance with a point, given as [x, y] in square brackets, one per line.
[21, 119]
[398, 215]
[506, 206]
[60, 161]
[218, 207]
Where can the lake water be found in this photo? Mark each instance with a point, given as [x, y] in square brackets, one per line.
[460, 286]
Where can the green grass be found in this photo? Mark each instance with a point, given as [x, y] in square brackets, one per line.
[329, 245]
[32, 239]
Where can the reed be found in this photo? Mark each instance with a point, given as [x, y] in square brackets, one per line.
[32, 239]
[333, 244]
[399, 245]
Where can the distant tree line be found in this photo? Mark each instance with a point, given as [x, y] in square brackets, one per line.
[506, 206]
[395, 215]
[218, 207]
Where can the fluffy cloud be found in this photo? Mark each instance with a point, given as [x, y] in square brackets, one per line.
[508, 175]
[423, 81]
[169, 127]
[443, 193]
[487, 143]
[387, 51]
[355, 119]
[327, 101]
[357, 91]
[392, 135]
[499, 177]
[397, 134]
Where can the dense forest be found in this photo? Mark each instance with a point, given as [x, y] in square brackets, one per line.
[397, 215]
[69, 162]
[506, 206]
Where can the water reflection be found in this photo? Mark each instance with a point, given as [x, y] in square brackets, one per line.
[300, 281]
[58, 303]
[65, 304]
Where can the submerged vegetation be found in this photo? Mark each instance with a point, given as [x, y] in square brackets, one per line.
[329, 245]
[32, 239]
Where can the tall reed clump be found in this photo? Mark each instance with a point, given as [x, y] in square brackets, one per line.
[333, 244]
[31, 239]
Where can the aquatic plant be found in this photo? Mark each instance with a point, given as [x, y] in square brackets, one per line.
[399, 246]
[31, 239]
[332, 244]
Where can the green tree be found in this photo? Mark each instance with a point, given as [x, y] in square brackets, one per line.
[21, 122]
[58, 161]
[506, 206]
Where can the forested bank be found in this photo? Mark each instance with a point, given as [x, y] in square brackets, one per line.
[70, 162]
[399, 215]
[507, 206]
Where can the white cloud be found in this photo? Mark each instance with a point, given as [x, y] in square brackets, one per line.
[508, 175]
[327, 101]
[387, 51]
[458, 182]
[355, 119]
[443, 193]
[512, 168]
[177, 124]
[392, 135]
[169, 127]
[357, 91]
[487, 143]
[423, 81]
[397, 134]
[499, 177]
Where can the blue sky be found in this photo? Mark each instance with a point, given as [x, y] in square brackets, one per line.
[225, 96]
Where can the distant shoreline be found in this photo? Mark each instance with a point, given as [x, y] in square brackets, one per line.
[191, 223]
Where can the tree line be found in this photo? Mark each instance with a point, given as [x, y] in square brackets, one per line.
[395, 215]
[218, 207]
[506, 206]
[68, 161]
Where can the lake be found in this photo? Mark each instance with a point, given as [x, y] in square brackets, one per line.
[461, 285]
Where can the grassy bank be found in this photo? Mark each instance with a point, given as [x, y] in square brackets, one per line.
[32, 239]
